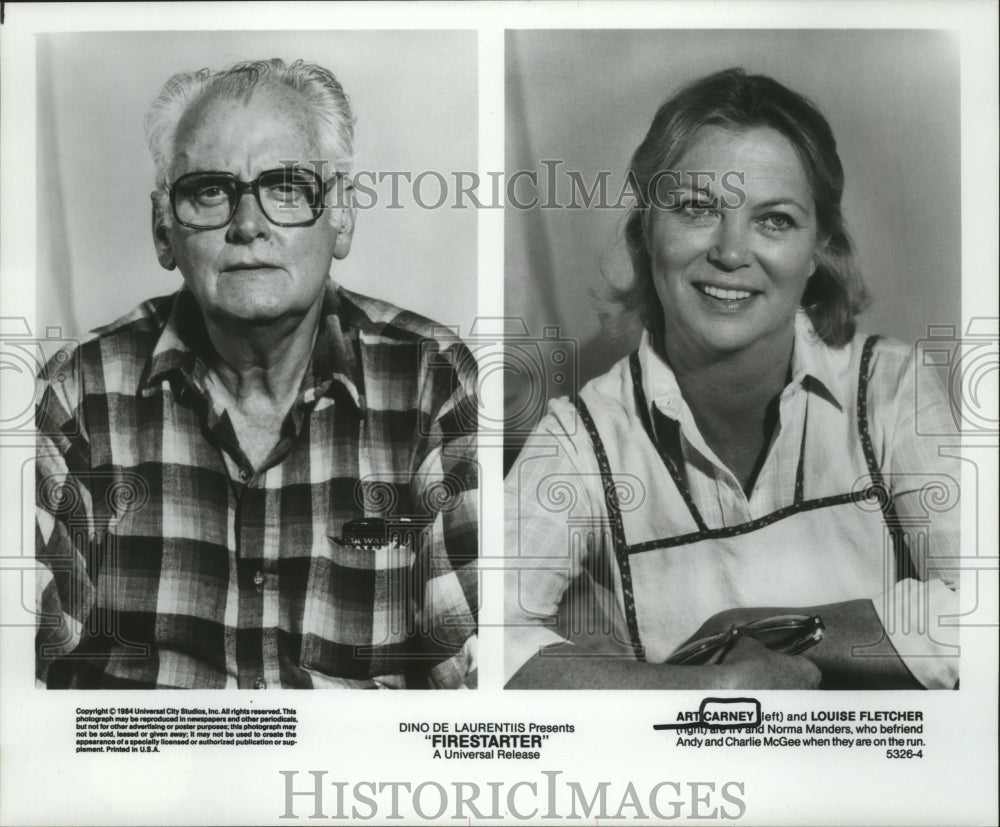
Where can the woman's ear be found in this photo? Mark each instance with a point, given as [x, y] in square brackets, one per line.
[818, 256]
[161, 238]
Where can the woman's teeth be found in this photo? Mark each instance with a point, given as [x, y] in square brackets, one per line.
[725, 295]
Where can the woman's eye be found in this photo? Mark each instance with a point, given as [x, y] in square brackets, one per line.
[777, 221]
[697, 209]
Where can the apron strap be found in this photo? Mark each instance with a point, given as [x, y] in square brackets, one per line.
[904, 564]
[675, 473]
[617, 527]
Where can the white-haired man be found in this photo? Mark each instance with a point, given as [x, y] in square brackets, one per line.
[205, 459]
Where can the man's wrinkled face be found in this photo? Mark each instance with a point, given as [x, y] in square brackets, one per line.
[251, 271]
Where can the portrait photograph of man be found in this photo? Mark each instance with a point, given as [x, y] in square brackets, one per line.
[254, 473]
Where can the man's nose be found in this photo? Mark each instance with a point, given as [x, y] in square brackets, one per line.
[731, 246]
[249, 221]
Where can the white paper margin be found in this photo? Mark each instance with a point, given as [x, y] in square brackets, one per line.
[355, 736]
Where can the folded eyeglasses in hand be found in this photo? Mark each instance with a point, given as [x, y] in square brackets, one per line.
[791, 634]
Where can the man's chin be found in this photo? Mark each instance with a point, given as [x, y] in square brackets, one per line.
[256, 315]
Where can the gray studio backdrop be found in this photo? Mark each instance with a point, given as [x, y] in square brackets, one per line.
[414, 94]
[586, 98]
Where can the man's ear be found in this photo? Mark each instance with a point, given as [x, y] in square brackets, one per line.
[161, 239]
[342, 217]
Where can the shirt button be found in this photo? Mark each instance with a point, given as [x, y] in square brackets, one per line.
[258, 581]
[259, 684]
[244, 474]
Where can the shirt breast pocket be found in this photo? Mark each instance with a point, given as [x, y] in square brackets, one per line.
[359, 611]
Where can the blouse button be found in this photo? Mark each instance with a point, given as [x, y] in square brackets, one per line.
[244, 474]
[259, 684]
[258, 581]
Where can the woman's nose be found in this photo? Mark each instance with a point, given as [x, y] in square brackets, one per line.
[249, 221]
[730, 249]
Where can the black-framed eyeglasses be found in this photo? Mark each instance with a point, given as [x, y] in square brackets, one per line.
[791, 634]
[288, 197]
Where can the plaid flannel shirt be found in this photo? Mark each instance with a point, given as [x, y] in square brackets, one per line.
[168, 561]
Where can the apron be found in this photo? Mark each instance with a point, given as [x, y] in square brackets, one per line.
[837, 541]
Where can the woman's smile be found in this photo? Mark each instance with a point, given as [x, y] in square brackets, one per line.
[725, 299]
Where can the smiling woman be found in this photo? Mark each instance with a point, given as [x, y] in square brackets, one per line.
[736, 484]
[730, 280]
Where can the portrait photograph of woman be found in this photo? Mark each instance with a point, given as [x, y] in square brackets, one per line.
[735, 482]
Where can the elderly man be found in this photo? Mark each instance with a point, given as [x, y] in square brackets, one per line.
[263, 480]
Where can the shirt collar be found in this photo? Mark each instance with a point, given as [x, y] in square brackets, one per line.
[816, 368]
[184, 340]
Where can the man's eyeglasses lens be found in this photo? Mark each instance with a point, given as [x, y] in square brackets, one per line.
[289, 197]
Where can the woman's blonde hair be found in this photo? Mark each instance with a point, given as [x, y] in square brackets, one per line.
[836, 292]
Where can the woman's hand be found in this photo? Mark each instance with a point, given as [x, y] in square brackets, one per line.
[721, 621]
[748, 665]
[855, 652]
[751, 665]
